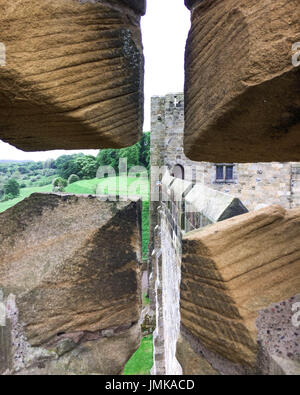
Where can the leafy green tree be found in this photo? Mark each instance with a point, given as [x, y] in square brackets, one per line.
[145, 150]
[32, 166]
[73, 178]
[24, 169]
[68, 168]
[62, 166]
[12, 188]
[87, 167]
[7, 197]
[84, 166]
[49, 164]
[61, 160]
[109, 157]
[137, 155]
[131, 154]
[59, 184]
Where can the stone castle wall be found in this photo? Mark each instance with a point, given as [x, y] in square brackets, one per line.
[255, 184]
[194, 203]
[172, 214]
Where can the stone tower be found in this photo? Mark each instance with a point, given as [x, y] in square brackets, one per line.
[255, 184]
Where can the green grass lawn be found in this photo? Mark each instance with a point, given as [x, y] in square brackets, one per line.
[112, 185]
[142, 360]
[24, 193]
[146, 300]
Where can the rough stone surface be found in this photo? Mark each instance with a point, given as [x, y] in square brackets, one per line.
[106, 356]
[166, 267]
[63, 280]
[171, 277]
[188, 204]
[234, 269]
[242, 90]
[74, 74]
[277, 332]
[191, 362]
[257, 185]
[286, 367]
[212, 204]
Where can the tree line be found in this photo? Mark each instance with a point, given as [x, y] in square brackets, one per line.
[67, 169]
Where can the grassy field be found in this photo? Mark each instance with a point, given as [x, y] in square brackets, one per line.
[113, 185]
[142, 360]
[24, 193]
[146, 300]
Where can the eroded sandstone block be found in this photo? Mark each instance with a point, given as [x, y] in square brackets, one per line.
[74, 73]
[242, 90]
[70, 283]
[232, 272]
[214, 205]
[191, 362]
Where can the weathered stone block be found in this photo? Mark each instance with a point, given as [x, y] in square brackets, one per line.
[213, 205]
[191, 362]
[74, 74]
[233, 270]
[64, 280]
[242, 90]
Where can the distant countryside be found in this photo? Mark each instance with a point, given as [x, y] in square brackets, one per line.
[76, 174]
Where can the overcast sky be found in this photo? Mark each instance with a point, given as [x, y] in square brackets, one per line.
[165, 29]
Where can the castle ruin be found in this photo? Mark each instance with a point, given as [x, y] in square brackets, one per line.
[257, 185]
[195, 195]
[224, 250]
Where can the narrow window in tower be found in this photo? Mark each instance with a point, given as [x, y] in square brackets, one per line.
[220, 173]
[229, 173]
